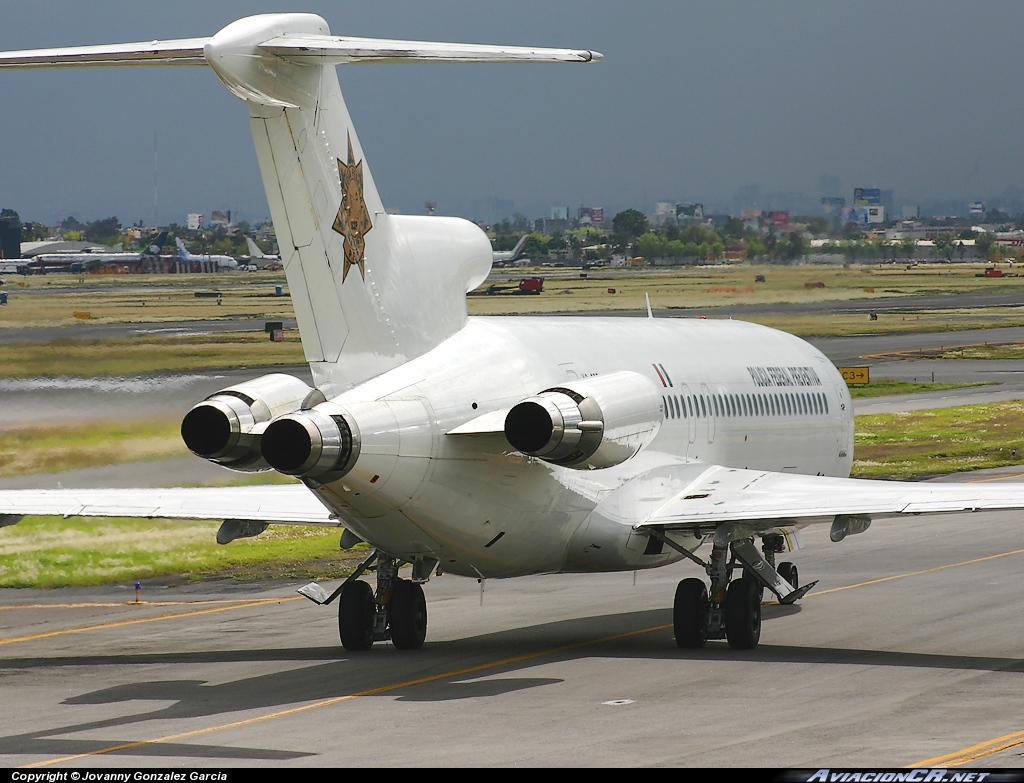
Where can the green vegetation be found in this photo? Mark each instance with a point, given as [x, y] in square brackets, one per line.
[54, 301]
[925, 443]
[143, 354]
[886, 387]
[47, 552]
[47, 449]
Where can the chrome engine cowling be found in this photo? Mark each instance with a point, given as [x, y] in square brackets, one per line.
[321, 443]
[594, 423]
[227, 426]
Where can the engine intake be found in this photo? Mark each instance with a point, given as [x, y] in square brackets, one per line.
[322, 443]
[226, 427]
[596, 423]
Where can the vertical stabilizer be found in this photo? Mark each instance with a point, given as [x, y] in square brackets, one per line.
[370, 291]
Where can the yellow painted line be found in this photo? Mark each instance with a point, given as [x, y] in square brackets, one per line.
[994, 478]
[139, 620]
[101, 604]
[974, 752]
[915, 573]
[339, 699]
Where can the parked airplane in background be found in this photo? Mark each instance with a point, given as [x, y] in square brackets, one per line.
[90, 261]
[491, 447]
[255, 254]
[221, 262]
[510, 256]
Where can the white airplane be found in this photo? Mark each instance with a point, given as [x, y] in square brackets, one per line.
[492, 447]
[508, 256]
[221, 262]
[255, 254]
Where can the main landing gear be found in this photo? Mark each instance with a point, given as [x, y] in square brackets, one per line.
[732, 608]
[398, 610]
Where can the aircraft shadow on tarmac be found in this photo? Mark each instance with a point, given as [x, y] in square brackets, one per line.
[495, 660]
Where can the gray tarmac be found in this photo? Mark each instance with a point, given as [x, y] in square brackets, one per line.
[566, 671]
[908, 650]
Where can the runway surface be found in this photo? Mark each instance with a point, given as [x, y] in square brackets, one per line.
[908, 650]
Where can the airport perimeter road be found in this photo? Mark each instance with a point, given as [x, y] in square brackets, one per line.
[909, 650]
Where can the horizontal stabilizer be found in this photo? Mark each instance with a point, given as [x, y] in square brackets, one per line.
[296, 48]
[183, 51]
[322, 49]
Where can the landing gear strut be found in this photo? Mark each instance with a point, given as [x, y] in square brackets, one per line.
[732, 608]
[397, 611]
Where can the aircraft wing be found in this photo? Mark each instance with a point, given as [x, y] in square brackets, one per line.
[282, 504]
[717, 495]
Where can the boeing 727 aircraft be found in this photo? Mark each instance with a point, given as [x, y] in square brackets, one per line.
[491, 447]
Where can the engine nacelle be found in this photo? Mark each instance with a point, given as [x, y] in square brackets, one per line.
[596, 423]
[321, 443]
[226, 427]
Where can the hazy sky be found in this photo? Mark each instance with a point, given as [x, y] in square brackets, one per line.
[694, 101]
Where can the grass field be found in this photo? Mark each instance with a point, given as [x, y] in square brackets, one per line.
[885, 387]
[145, 354]
[44, 552]
[926, 443]
[54, 299]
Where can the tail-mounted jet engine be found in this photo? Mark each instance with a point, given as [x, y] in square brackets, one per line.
[596, 423]
[321, 443]
[227, 426]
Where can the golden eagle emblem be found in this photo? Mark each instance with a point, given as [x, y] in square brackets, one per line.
[353, 220]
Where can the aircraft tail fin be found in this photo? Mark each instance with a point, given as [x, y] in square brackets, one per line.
[370, 290]
[153, 248]
[183, 254]
[254, 249]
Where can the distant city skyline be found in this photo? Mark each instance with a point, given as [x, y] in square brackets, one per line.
[693, 102]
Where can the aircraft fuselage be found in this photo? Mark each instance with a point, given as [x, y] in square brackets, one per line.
[733, 394]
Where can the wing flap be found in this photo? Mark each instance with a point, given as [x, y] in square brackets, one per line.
[721, 494]
[282, 504]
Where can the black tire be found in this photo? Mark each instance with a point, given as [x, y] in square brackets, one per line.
[690, 614]
[789, 572]
[407, 615]
[743, 614]
[355, 616]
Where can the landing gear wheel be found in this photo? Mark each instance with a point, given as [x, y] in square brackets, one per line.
[789, 572]
[407, 614]
[743, 614]
[690, 614]
[355, 616]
